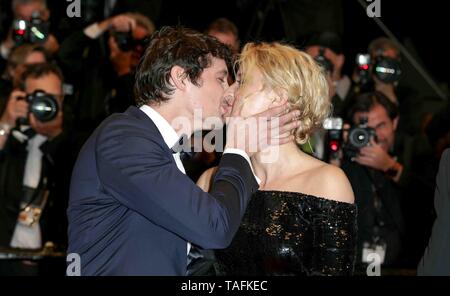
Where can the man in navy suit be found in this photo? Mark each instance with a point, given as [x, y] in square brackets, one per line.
[436, 259]
[132, 210]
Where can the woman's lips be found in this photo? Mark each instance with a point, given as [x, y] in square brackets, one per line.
[225, 109]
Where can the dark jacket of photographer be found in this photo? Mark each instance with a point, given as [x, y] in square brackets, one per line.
[86, 64]
[56, 166]
[372, 187]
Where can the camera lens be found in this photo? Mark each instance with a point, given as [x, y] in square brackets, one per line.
[44, 107]
[359, 137]
[124, 40]
[387, 70]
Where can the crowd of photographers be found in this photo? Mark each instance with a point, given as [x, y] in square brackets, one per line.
[382, 135]
[55, 91]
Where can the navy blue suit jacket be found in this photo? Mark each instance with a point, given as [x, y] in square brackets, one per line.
[131, 211]
[436, 259]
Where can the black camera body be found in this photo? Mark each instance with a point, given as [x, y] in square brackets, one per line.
[385, 69]
[126, 42]
[42, 105]
[34, 31]
[333, 139]
[325, 63]
[359, 136]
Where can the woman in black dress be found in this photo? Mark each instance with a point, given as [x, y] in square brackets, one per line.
[302, 221]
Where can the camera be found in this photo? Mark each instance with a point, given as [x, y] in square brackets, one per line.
[385, 69]
[363, 65]
[34, 31]
[359, 136]
[333, 140]
[323, 61]
[42, 105]
[126, 42]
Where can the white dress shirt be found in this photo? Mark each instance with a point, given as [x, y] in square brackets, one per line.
[171, 137]
[29, 237]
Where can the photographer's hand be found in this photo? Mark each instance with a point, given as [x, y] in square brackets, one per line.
[51, 44]
[374, 156]
[121, 23]
[50, 129]
[121, 60]
[15, 108]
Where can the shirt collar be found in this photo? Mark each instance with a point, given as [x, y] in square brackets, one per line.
[168, 133]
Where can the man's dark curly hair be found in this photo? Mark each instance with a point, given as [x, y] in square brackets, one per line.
[169, 47]
[367, 101]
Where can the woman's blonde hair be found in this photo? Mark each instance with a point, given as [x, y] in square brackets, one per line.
[285, 68]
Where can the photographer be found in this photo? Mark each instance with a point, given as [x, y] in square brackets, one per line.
[35, 166]
[381, 70]
[227, 32]
[375, 172]
[384, 48]
[19, 58]
[29, 13]
[107, 53]
[326, 48]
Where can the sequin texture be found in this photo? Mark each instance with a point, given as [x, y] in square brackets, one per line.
[290, 233]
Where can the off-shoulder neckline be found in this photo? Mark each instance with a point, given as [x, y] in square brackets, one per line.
[306, 195]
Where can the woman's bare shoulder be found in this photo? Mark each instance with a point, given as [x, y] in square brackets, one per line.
[332, 183]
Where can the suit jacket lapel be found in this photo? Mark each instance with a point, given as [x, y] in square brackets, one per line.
[148, 124]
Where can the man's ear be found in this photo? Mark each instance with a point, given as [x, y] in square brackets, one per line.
[178, 77]
[395, 122]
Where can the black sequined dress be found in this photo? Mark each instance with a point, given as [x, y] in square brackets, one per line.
[290, 233]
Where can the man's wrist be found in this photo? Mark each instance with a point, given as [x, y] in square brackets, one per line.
[95, 30]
